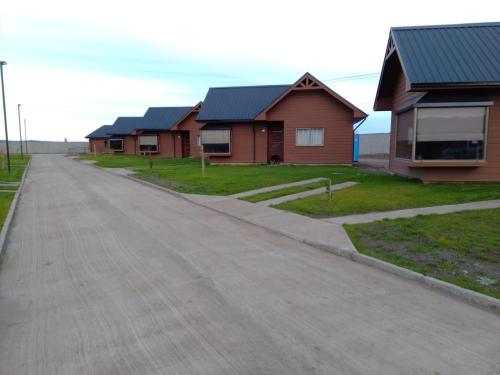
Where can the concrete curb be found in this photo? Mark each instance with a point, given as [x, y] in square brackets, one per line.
[479, 299]
[462, 293]
[12, 210]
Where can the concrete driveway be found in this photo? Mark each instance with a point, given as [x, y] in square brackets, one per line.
[103, 275]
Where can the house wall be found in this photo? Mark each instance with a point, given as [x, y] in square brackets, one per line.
[178, 145]
[129, 145]
[166, 144]
[490, 172]
[315, 109]
[190, 124]
[242, 144]
[98, 146]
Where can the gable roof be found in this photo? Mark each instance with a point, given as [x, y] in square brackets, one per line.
[124, 125]
[309, 82]
[449, 54]
[241, 103]
[249, 103]
[100, 132]
[163, 118]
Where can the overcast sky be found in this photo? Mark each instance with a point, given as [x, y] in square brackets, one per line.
[76, 65]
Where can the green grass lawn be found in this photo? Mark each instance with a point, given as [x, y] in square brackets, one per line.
[17, 169]
[386, 193]
[282, 192]
[462, 248]
[5, 201]
[184, 175]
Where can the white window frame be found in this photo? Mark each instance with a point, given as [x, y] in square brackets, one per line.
[309, 144]
[149, 151]
[115, 149]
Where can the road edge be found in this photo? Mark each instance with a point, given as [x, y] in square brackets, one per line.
[481, 300]
[12, 210]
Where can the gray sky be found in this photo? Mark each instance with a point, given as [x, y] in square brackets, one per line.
[77, 65]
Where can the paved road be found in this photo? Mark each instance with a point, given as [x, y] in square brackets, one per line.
[106, 276]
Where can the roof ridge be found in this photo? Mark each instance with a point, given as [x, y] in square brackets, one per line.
[251, 86]
[180, 106]
[447, 26]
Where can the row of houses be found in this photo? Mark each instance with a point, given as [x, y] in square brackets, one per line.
[303, 122]
[441, 83]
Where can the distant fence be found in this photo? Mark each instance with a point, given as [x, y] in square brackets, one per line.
[374, 144]
[43, 147]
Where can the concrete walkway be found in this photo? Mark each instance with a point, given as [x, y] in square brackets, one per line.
[103, 275]
[412, 212]
[276, 187]
[304, 194]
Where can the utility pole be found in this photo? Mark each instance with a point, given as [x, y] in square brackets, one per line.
[2, 63]
[25, 138]
[20, 133]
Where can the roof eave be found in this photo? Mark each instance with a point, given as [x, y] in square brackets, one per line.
[453, 85]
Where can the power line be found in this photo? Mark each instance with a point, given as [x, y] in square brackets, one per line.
[349, 78]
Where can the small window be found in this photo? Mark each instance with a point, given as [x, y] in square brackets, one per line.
[116, 144]
[404, 135]
[309, 137]
[198, 140]
[216, 141]
[148, 143]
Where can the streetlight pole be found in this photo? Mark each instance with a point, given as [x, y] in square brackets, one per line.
[25, 138]
[2, 63]
[20, 133]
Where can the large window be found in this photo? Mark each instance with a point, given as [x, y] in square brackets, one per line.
[450, 133]
[148, 143]
[309, 137]
[404, 135]
[216, 141]
[116, 144]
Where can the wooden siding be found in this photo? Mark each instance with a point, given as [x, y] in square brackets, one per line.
[315, 109]
[99, 146]
[166, 143]
[129, 145]
[242, 146]
[190, 124]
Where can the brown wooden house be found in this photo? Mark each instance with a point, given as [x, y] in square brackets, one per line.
[99, 140]
[442, 84]
[169, 132]
[303, 123]
[162, 131]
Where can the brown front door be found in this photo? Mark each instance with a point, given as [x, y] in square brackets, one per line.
[275, 143]
[186, 147]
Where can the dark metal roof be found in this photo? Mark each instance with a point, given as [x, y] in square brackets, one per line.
[241, 103]
[125, 125]
[163, 118]
[101, 132]
[449, 54]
